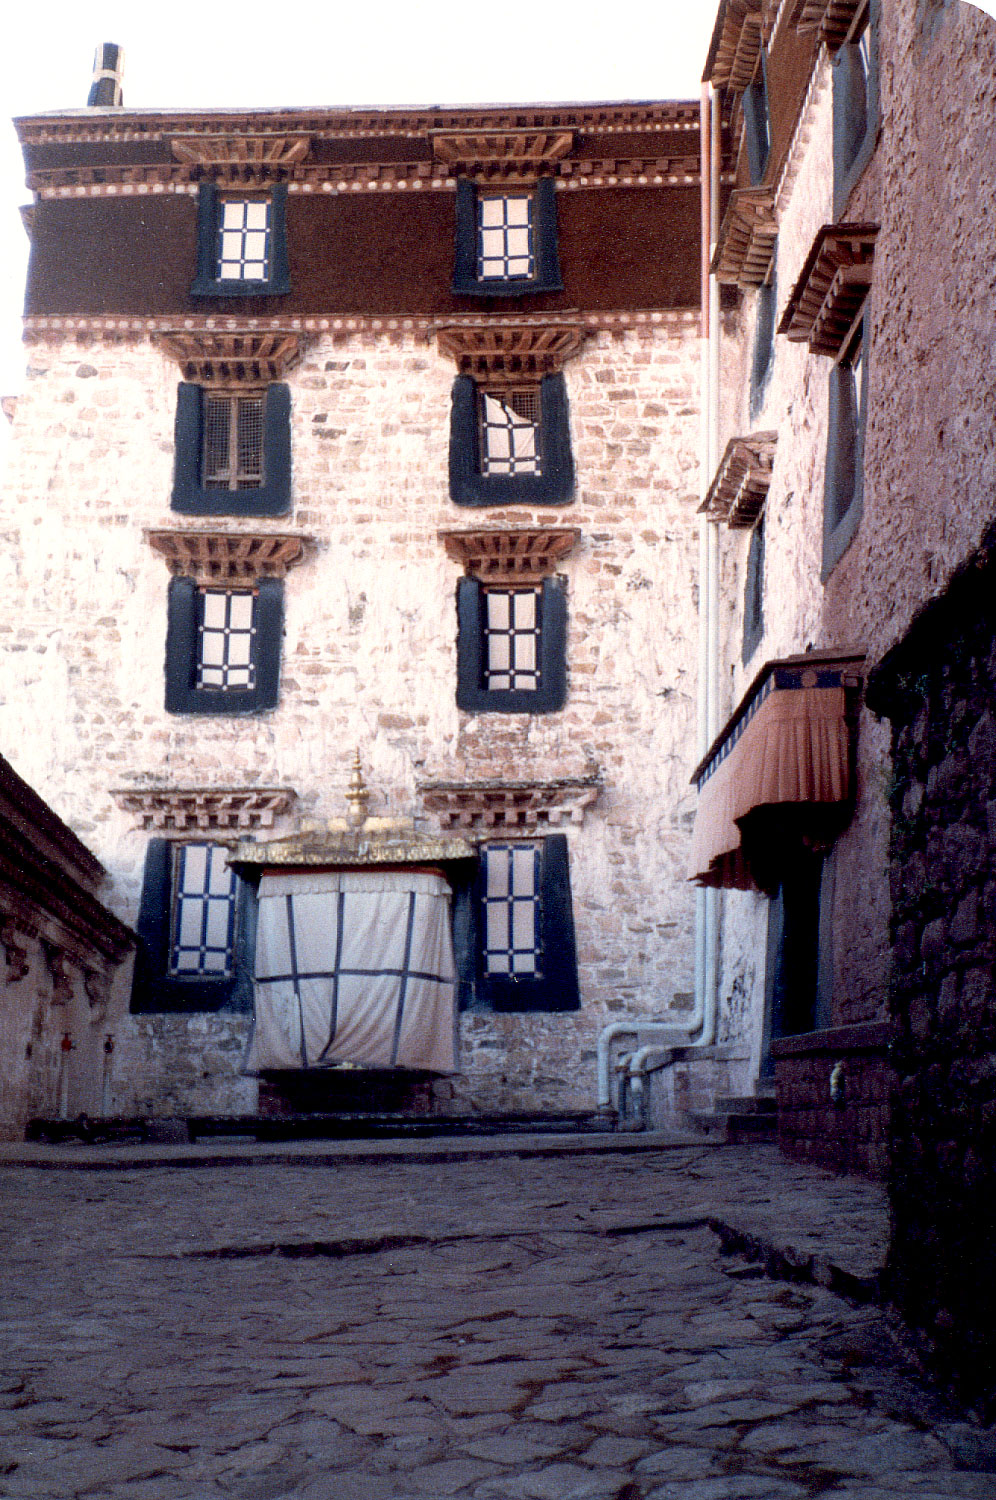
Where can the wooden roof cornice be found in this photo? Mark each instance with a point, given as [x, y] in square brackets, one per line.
[745, 246]
[505, 351]
[510, 806]
[213, 358]
[736, 44]
[504, 156]
[833, 19]
[233, 157]
[827, 299]
[234, 557]
[740, 486]
[185, 810]
[519, 555]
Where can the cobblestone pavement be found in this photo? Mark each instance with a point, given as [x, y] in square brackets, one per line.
[509, 1328]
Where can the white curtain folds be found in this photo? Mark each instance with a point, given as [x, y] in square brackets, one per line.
[354, 966]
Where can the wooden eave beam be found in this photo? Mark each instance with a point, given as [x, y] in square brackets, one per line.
[522, 555]
[510, 806]
[827, 299]
[181, 810]
[736, 45]
[745, 246]
[230, 359]
[740, 487]
[512, 155]
[213, 557]
[833, 19]
[234, 158]
[508, 352]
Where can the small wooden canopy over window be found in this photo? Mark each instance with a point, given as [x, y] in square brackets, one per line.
[736, 44]
[182, 810]
[510, 806]
[508, 156]
[231, 359]
[827, 300]
[833, 19]
[248, 159]
[746, 244]
[501, 352]
[228, 556]
[525, 555]
[738, 491]
[779, 774]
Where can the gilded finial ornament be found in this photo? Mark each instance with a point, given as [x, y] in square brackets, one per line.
[358, 795]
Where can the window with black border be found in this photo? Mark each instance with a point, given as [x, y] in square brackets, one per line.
[510, 444]
[223, 647]
[511, 647]
[855, 102]
[232, 451]
[241, 242]
[506, 239]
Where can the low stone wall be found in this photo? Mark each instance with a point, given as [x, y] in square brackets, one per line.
[833, 1089]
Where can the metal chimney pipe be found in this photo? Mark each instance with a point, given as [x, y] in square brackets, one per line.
[108, 70]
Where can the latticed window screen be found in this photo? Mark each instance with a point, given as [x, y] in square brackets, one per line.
[505, 249]
[511, 900]
[510, 431]
[202, 928]
[511, 640]
[226, 639]
[244, 239]
[232, 428]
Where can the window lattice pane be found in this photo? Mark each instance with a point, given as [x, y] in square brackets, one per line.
[232, 457]
[510, 431]
[226, 640]
[244, 240]
[203, 912]
[505, 237]
[511, 640]
[511, 909]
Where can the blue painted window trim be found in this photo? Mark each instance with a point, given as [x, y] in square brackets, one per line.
[207, 283]
[554, 485]
[556, 988]
[546, 277]
[843, 493]
[763, 353]
[182, 696]
[154, 989]
[855, 111]
[757, 123]
[754, 592]
[471, 695]
[191, 498]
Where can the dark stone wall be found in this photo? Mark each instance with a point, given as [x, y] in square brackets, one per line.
[848, 1133]
[938, 688]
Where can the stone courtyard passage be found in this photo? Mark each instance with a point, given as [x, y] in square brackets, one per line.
[388, 1324]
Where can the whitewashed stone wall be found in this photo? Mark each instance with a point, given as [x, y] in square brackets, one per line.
[369, 655]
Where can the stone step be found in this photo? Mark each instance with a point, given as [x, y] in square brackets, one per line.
[739, 1128]
[759, 1103]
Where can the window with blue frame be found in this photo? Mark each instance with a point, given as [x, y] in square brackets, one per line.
[855, 102]
[232, 451]
[223, 647]
[511, 647]
[506, 240]
[241, 243]
[757, 122]
[842, 500]
[510, 444]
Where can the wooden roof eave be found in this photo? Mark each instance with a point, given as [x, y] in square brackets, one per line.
[826, 300]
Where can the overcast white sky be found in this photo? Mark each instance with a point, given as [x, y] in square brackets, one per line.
[190, 55]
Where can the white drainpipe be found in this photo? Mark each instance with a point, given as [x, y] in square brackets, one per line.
[698, 1029]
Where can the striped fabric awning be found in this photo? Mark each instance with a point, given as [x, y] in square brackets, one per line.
[354, 966]
[781, 768]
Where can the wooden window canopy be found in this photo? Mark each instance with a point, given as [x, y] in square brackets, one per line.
[510, 806]
[738, 491]
[502, 156]
[499, 352]
[227, 359]
[827, 299]
[745, 247]
[525, 555]
[248, 159]
[736, 45]
[779, 776]
[227, 556]
[179, 810]
[833, 19]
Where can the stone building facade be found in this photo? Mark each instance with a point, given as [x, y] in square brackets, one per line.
[311, 399]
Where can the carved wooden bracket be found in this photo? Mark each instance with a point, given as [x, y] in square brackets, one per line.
[205, 809]
[827, 299]
[507, 156]
[738, 491]
[229, 556]
[12, 940]
[249, 159]
[227, 359]
[833, 19]
[510, 806]
[736, 45]
[745, 247]
[509, 351]
[525, 555]
[57, 963]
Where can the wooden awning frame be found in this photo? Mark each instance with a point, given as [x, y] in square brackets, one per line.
[736, 44]
[252, 160]
[235, 557]
[520, 555]
[779, 775]
[222, 359]
[739, 489]
[833, 19]
[745, 247]
[827, 300]
[507, 156]
[502, 352]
